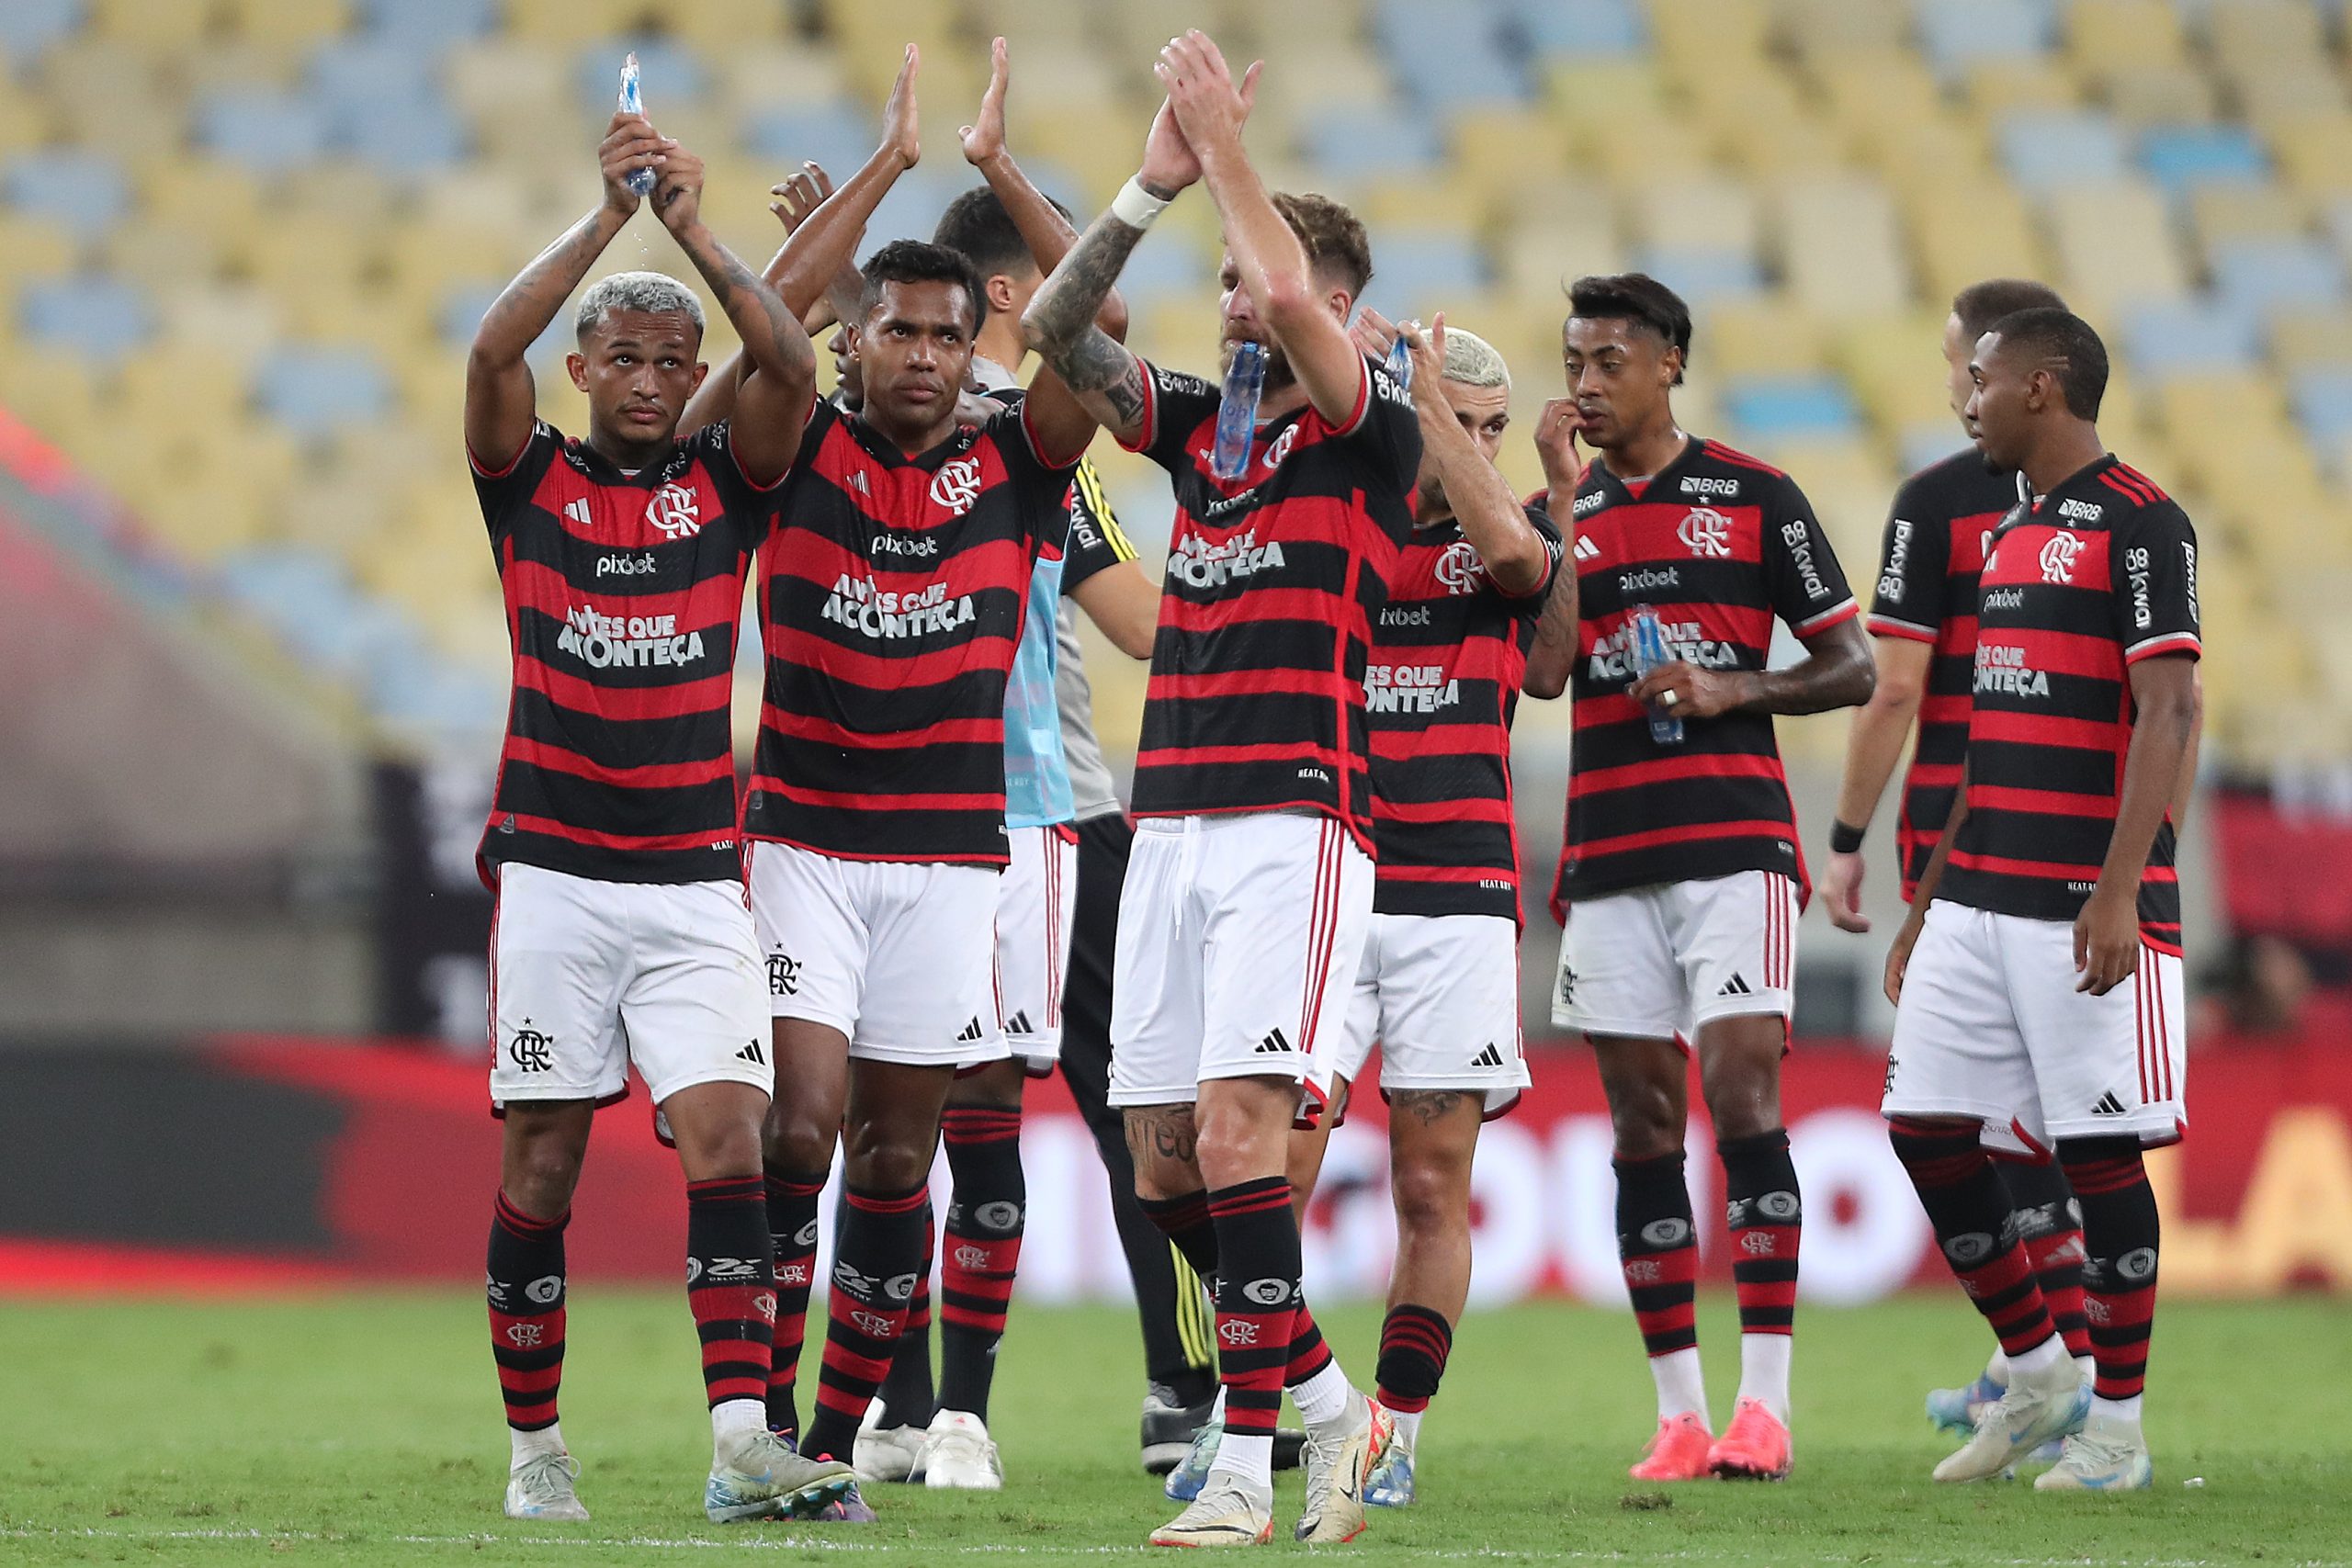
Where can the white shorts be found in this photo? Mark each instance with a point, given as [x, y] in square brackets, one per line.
[1035, 900]
[893, 953]
[1440, 993]
[1991, 1027]
[1658, 963]
[587, 976]
[1238, 937]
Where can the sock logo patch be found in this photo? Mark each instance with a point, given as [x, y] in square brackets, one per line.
[525, 1335]
[1237, 1332]
[805, 1235]
[969, 1256]
[543, 1289]
[900, 1287]
[1759, 1244]
[849, 1279]
[1666, 1233]
[2137, 1266]
[1969, 1249]
[1268, 1292]
[725, 1270]
[1000, 1215]
[873, 1324]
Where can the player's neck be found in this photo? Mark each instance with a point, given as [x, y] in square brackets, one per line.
[1000, 341]
[626, 455]
[911, 441]
[2064, 453]
[1645, 455]
[1280, 402]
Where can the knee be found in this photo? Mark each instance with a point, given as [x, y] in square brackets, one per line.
[541, 1174]
[886, 1159]
[1646, 1121]
[1433, 1198]
[728, 1149]
[1937, 1152]
[1743, 1102]
[797, 1135]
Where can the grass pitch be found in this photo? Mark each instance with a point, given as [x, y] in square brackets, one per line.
[351, 1430]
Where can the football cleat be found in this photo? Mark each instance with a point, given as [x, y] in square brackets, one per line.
[1225, 1514]
[1391, 1484]
[1755, 1447]
[1169, 1426]
[762, 1478]
[2036, 1408]
[2107, 1455]
[540, 1489]
[1678, 1450]
[1339, 1467]
[886, 1453]
[1191, 1473]
[957, 1454]
[1956, 1410]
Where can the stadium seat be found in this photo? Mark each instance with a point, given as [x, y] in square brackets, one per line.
[268, 131]
[28, 28]
[838, 135]
[2123, 36]
[1358, 140]
[2168, 341]
[2322, 404]
[2114, 246]
[2183, 158]
[1839, 245]
[2259, 277]
[1701, 277]
[315, 390]
[1448, 55]
[1416, 272]
[1767, 410]
[82, 191]
[2044, 150]
[428, 26]
[103, 318]
[1956, 38]
[1581, 29]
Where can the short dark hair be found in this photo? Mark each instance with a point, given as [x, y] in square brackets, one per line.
[2065, 344]
[919, 261]
[1634, 297]
[976, 224]
[1332, 236]
[1979, 305]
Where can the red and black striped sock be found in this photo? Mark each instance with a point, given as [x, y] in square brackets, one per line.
[1969, 1208]
[2121, 1234]
[1414, 1344]
[526, 1291]
[1257, 1306]
[1658, 1246]
[730, 1286]
[1308, 1352]
[791, 1229]
[907, 1396]
[875, 1261]
[983, 1252]
[2050, 1222]
[1185, 1222]
[1765, 1215]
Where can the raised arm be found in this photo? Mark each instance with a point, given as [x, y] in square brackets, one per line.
[1494, 522]
[1060, 323]
[501, 401]
[1272, 262]
[772, 404]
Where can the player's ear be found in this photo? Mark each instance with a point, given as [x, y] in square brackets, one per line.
[702, 368]
[578, 366]
[999, 290]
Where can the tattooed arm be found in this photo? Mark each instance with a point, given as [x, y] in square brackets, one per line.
[773, 402]
[501, 401]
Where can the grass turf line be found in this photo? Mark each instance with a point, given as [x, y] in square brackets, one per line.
[366, 1430]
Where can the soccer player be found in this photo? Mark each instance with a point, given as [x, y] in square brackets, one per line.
[1438, 987]
[1247, 900]
[621, 934]
[1013, 234]
[1680, 882]
[1923, 629]
[2038, 979]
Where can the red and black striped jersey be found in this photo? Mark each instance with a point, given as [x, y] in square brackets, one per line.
[1449, 652]
[1717, 544]
[891, 597]
[2079, 586]
[623, 593]
[1256, 699]
[1937, 533]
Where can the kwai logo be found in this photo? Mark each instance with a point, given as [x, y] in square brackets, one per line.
[1198, 563]
[856, 602]
[676, 511]
[630, 642]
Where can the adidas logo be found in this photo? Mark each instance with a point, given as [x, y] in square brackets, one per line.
[1274, 1044]
[1018, 1024]
[2109, 1106]
[857, 482]
[971, 1031]
[577, 511]
[753, 1053]
[1736, 987]
[1492, 1057]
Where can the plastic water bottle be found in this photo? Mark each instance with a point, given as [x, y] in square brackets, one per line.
[1400, 363]
[633, 102]
[1648, 653]
[1237, 412]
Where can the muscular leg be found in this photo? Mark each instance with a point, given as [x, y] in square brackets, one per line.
[1740, 1072]
[544, 1143]
[1647, 1082]
[802, 1128]
[1304, 1163]
[983, 1230]
[1243, 1144]
[1433, 1138]
[730, 1259]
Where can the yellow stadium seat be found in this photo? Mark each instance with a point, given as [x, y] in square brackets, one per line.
[570, 21]
[1864, 89]
[96, 68]
[1537, 259]
[2140, 97]
[201, 193]
[1895, 363]
[2317, 156]
[2114, 247]
[496, 73]
[1589, 93]
[2251, 34]
[1497, 147]
[1703, 33]
[2279, 98]
[2221, 213]
[2121, 35]
[1839, 245]
[297, 23]
[33, 247]
[720, 27]
[1809, 28]
[2000, 87]
[1415, 204]
[2304, 339]
[1771, 335]
[164, 30]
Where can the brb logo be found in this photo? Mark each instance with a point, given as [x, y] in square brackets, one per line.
[676, 511]
[1706, 533]
[2058, 559]
[957, 485]
[1458, 568]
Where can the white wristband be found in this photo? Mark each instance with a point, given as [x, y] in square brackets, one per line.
[1137, 207]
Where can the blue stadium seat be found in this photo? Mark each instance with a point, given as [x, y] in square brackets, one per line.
[1955, 37]
[428, 25]
[372, 69]
[462, 309]
[673, 74]
[1355, 141]
[1449, 53]
[1416, 272]
[2166, 341]
[2046, 150]
[2255, 278]
[1790, 407]
[317, 391]
[838, 135]
[2322, 402]
[28, 26]
[417, 137]
[1703, 276]
[2181, 157]
[104, 318]
[268, 131]
[80, 189]
[1585, 29]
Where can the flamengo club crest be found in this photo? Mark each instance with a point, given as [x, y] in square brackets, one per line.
[957, 485]
[675, 510]
[1706, 532]
[1458, 568]
[2058, 559]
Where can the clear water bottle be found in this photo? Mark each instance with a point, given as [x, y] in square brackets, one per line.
[1648, 653]
[633, 102]
[1400, 363]
[1237, 412]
